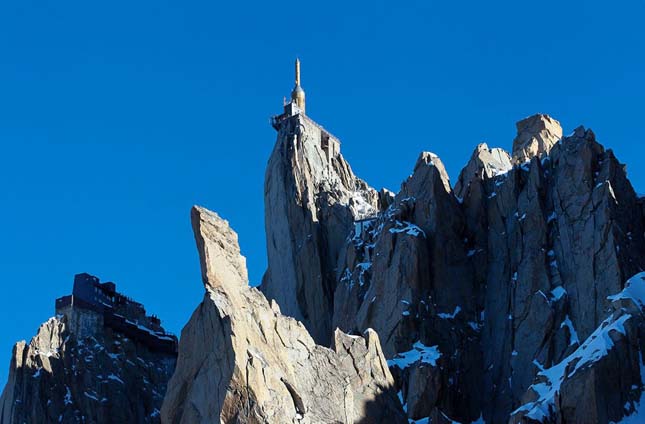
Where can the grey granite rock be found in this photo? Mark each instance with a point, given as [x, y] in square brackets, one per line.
[241, 360]
[536, 135]
[312, 198]
[505, 275]
[106, 377]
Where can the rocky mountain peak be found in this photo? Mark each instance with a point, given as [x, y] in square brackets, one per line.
[241, 360]
[221, 260]
[312, 199]
[484, 163]
[429, 160]
[501, 277]
[507, 299]
[536, 135]
[101, 359]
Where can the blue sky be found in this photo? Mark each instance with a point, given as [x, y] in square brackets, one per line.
[116, 117]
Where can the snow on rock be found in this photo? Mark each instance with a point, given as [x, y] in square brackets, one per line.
[450, 316]
[573, 336]
[558, 293]
[637, 415]
[634, 290]
[418, 353]
[360, 207]
[115, 378]
[593, 349]
[91, 396]
[407, 228]
[484, 163]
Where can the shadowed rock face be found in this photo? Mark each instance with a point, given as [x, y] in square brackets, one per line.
[241, 360]
[563, 234]
[602, 379]
[501, 277]
[105, 378]
[408, 275]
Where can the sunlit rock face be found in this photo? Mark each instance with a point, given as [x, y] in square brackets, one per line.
[536, 136]
[499, 278]
[312, 199]
[241, 360]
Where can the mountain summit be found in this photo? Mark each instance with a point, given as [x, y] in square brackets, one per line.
[498, 280]
[516, 295]
[100, 359]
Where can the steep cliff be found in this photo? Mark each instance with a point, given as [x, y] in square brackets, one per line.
[241, 360]
[76, 370]
[474, 290]
[516, 296]
[603, 379]
[408, 274]
[312, 198]
[562, 233]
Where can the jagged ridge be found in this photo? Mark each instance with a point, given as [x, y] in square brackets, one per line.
[504, 275]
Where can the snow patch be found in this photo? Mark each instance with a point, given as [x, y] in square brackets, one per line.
[450, 316]
[115, 378]
[558, 293]
[573, 338]
[407, 228]
[404, 404]
[68, 397]
[634, 290]
[418, 353]
[638, 414]
[360, 208]
[592, 350]
[475, 326]
[90, 396]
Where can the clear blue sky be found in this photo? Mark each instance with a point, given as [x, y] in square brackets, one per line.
[116, 117]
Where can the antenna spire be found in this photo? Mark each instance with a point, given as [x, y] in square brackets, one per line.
[298, 94]
[297, 71]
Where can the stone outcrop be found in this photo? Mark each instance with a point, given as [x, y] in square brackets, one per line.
[241, 360]
[484, 164]
[536, 135]
[501, 277]
[312, 198]
[561, 234]
[505, 299]
[408, 275]
[100, 377]
[602, 380]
